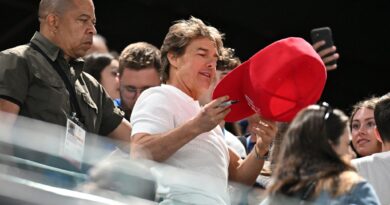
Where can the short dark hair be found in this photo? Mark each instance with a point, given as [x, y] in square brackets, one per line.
[96, 62]
[382, 117]
[138, 56]
[53, 6]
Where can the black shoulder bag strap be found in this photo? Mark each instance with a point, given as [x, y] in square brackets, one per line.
[65, 79]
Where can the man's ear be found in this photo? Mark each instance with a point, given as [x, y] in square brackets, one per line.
[172, 58]
[52, 21]
[377, 135]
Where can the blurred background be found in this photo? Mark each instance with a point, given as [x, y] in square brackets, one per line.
[360, 32]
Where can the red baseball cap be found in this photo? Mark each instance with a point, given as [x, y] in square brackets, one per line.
[276, 82]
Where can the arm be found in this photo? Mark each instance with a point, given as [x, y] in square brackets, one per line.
[162, 146]
[323, 54]
[15, 78]
[8, 106]
[122, 132]
[8, 114]
[14, 82]
[246, 171]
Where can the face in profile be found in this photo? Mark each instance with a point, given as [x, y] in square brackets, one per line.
[343, 148]
[76, 27]
[363, 135]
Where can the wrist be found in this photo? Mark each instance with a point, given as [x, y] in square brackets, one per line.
[262, 149]
[192, 128]
[261, 154]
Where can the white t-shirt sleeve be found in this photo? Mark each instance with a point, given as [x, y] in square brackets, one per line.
[361, 164]
[152, 113]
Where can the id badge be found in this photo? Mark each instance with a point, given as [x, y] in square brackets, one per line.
[73, 148]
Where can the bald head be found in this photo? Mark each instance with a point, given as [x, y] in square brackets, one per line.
[53, 6]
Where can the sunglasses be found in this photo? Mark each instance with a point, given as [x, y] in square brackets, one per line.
[328, 109]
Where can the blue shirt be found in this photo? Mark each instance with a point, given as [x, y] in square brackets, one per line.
[362, 193]
[117, 102]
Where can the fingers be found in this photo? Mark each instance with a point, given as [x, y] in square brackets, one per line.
[216, 107]
[265, 132]
[213, 114]
[331, 67]
[324, 55]
[331, 58]
[328, 59]
[269, 124]
[327, 51]
[317, 45]
[218, 101]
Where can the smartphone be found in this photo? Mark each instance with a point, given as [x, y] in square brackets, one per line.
[323, 33]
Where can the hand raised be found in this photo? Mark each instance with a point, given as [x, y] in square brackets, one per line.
[265, 131]
[211, 115]
[324, 54]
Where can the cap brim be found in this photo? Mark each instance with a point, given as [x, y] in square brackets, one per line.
[230, 85]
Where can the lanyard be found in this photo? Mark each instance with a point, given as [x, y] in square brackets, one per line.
[72, 93]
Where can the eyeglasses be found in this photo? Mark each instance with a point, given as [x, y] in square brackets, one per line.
[132, 91]
[327, 111]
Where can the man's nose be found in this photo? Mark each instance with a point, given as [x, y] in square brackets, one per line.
[94, 31]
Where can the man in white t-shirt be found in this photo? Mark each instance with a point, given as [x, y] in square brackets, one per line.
[375, 168]
[171, 127]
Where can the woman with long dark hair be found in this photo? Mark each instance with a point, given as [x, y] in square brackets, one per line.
[313, 165]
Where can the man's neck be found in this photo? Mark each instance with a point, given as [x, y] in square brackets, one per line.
[67, 58]
[386, 146]
[55, 41]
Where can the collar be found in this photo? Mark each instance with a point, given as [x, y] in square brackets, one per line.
[54, 52]
[50, 49]
[78, 65]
